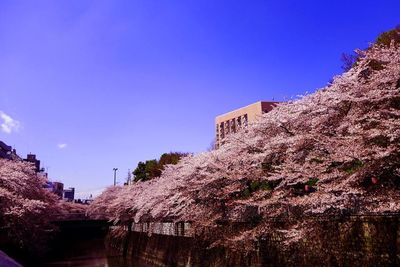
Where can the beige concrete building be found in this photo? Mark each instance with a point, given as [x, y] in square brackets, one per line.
[234, 120]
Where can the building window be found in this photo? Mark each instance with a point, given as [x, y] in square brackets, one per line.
[227, 127]
[239, 122]
[245, 120]
[233, 126]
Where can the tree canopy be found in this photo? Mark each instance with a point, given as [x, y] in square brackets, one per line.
[153, 168]
[332, 152]
[26, 208]
[386, 38]
[349, 60]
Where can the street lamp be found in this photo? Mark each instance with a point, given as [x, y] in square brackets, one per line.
[115, 175]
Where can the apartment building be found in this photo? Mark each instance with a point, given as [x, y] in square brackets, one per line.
[7, 152]
[237, 119]
[32, 159]
[69, 194]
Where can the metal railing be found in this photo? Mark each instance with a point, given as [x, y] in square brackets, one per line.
[77, 216]
[160, 228]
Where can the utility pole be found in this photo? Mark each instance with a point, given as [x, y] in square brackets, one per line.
[115, 175]
[129, 178]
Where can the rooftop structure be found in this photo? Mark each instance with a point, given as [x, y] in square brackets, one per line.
[69, 194]
[237, 119]
[32, 159]
[55, 187]
[7, 152]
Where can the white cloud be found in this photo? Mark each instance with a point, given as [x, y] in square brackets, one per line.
[8, 124]
[61, 146]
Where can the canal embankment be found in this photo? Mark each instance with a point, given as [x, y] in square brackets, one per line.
[367, 240]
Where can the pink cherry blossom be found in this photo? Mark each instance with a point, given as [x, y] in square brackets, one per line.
[341, 135]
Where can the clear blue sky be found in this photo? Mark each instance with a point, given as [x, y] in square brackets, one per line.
[92, 85]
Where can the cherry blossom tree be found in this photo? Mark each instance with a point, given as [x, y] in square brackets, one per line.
[26, 208]
[334, 151]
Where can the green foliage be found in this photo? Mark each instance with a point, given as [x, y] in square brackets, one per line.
[246, 193]
[349, 167]
[265, 186]
[259, 185]
[312, 181]
[171, 158]
[386, 38]
[254, 186]
[140, 172]
[146, 171]
[153, 168]
[352, 166]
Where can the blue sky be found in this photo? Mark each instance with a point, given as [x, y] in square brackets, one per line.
[93, 85]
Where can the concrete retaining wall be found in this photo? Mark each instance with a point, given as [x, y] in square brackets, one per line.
[355, 241]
